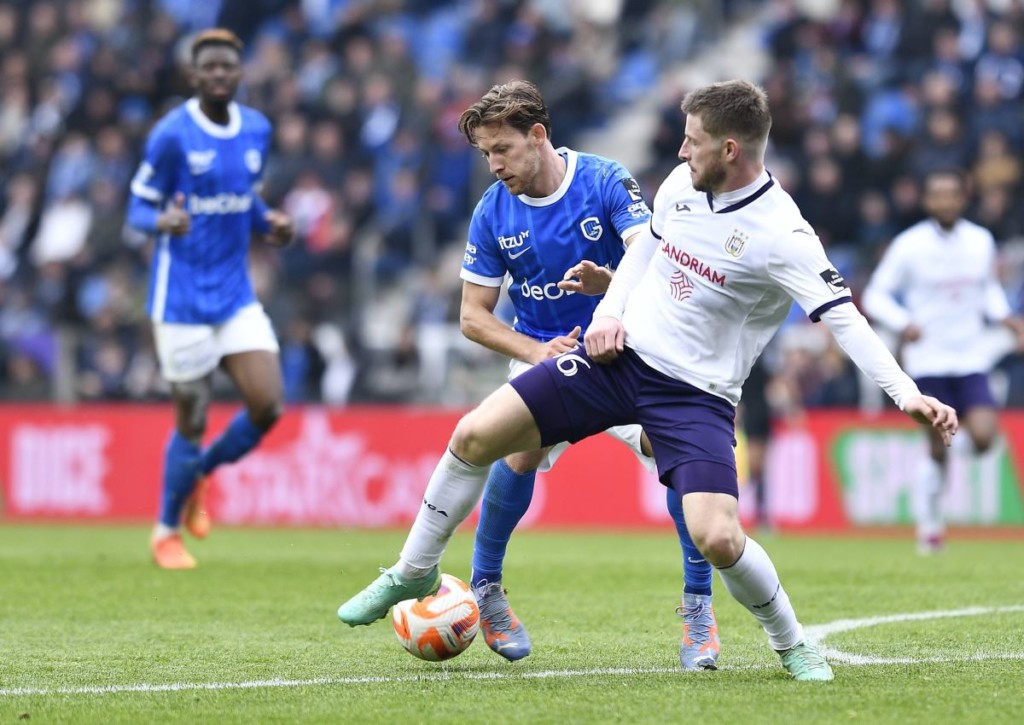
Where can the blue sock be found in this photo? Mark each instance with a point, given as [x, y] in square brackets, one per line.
[696, 571]
[240, 437]
[507, 496]
[181, 469]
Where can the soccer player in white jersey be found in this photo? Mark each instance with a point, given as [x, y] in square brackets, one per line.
[692, 304]
[197, 190]
[550, 209]
[936, 286]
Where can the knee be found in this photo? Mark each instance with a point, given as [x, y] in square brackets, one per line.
[525, 462]
[983, 441]
[265, 413]
[470, 443]
[721, 542]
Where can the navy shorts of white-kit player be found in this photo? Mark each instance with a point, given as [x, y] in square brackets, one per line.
[963, 392]
[692, 432]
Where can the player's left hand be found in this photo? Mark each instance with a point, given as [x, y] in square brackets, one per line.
[930, 411]
[282, 229]
[586, 277]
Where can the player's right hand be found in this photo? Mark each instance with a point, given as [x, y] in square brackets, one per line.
[931, 411]
[605, 339]
[175, 220]
[561, 344]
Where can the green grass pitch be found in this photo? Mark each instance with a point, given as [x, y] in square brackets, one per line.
[93, 633]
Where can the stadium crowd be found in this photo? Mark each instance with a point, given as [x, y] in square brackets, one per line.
[367, 158]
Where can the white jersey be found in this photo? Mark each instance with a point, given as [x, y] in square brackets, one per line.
[944, 283]
[723, 279]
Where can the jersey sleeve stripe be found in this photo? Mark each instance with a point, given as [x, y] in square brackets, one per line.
[626, 234]
[816, 315]
[481, 280]
[147, 192]
[656, 235]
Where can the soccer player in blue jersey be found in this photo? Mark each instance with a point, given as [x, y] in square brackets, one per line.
[551, 210]
[197, 190]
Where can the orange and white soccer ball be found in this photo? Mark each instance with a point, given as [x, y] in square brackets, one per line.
[440, 626]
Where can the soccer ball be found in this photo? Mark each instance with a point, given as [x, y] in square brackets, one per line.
[440, 626]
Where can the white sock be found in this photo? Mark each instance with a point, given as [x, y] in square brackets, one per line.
[162, 531]
[453, 491]
[928, 499]
[753, 582]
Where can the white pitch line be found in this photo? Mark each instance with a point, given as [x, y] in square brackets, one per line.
[820, 632]
[817, 632]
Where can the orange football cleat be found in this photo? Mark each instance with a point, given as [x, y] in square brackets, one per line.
[169, 552]
[196, 516]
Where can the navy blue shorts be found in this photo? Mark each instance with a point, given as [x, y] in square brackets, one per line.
[572, 397]
[963, 393]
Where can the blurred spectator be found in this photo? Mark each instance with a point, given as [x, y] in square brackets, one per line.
[866, 95]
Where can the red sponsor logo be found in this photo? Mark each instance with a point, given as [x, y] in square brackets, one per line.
[689, 262]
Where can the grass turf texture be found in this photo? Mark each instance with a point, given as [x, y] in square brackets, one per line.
[83, 607]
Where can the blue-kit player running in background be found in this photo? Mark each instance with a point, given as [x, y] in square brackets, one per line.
[551, 210]
[197, 191]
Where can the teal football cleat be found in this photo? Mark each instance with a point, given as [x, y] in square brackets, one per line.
[385, 591]
[502, 630]
[806, 663]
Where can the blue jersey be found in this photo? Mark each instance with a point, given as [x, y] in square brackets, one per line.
[534, 241]
[202, 277]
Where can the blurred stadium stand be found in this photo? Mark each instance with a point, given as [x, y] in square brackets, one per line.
[867, 95]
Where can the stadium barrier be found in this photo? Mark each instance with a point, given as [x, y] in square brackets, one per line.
[367, 467]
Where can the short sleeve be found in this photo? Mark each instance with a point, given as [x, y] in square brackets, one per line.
[798, 264]
[625, 203]
[482, 263]
[154, 179]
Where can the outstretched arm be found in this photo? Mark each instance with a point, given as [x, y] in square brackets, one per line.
[870, 354]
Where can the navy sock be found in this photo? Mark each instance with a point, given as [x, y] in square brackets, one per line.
[507, 496]
[181, 470]
[240, 437]
[696, 571]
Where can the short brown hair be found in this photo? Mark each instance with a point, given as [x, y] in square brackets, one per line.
[216, 36]
[517, 103]
[731, 108]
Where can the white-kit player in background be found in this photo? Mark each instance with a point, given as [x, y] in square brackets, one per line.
[936, 286]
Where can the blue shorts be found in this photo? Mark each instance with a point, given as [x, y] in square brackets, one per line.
[572, 397]
[963, 393]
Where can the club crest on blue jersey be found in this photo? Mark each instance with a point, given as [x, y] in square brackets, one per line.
[253, 161]
[592, 229]
[735, 244]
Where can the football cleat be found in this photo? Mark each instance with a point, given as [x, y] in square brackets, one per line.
[196, 517]
[929, 545]
[169, 552]
[502, 630]
[384, 592]
[806, 663]
[700, 646]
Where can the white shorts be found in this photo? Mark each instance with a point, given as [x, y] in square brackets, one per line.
[191, 352]
[628, 434]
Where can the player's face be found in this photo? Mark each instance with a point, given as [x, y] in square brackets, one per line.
[944, 198]
[217, 73]
[704, 154]
[513, 156]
